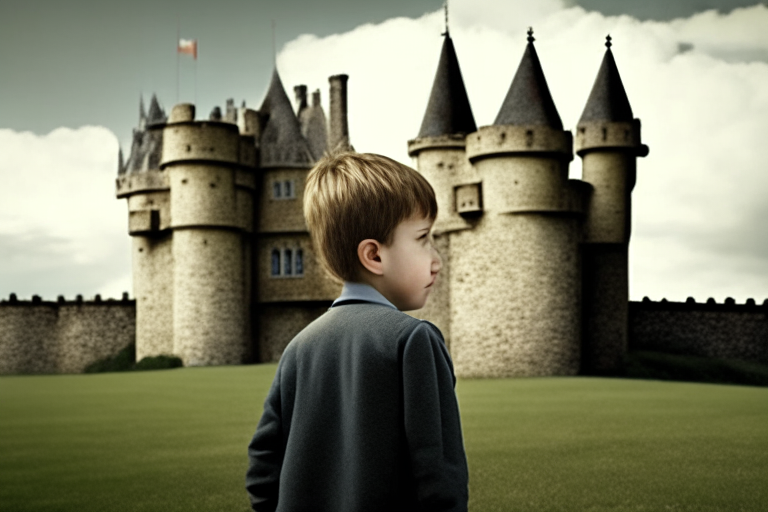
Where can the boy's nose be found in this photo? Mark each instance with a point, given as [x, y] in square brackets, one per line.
[437, 261]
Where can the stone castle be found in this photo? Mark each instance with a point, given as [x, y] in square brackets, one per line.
[534, 280]
[535, 265]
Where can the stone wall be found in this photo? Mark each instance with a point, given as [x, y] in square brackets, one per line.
[726, 331]
[64, 336]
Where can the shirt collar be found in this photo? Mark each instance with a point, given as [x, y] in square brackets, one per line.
[362, 291]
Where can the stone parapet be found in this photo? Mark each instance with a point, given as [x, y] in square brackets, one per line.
[723, 330]
[141, 182]
[497, 140]
[450, 141]
[201, 141]
[38, 337]
[602, 135]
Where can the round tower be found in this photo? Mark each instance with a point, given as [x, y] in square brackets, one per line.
[515, 278]
[210, 249]
[439, 151]
[608, 141]
[145, 186]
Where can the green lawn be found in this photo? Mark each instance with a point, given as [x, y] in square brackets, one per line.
[175, 440]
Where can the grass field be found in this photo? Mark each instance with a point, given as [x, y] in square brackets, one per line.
[175, 440]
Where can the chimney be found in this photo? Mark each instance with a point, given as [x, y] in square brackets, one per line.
[338, 136]
[300, 91]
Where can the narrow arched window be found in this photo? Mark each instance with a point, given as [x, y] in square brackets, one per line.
[288, 262]
[288, 188]
[277, 189]
[299, 262]
[275, 262]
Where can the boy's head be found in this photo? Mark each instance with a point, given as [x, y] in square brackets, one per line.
[351, 197]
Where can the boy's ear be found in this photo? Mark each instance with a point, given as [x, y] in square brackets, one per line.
[369, 254]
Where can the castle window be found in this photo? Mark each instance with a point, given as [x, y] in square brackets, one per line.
[288, 188]
[288, 262]
[275, 262]
[277, 190]
[299, 262]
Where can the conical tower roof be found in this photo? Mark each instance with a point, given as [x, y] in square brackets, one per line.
[608, 100]
[528, 100]
[281, 141]
[156, 114]
[448, 111]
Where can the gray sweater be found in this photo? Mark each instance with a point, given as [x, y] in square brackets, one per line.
[361, 416]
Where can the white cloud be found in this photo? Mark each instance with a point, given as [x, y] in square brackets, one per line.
[699, 196]
[62, 229]
[699, 201]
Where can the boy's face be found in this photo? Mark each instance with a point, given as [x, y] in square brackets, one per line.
[410, 264]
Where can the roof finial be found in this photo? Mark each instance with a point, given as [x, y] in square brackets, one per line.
[530, 35]
[446, 33]
[274, 50]
[608, 41]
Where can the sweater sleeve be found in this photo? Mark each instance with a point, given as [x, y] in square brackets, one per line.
[265, 453]
[432, 423]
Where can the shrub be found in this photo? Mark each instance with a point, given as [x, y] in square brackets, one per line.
[660, 366]
[120, 362]
[161, 362]
[125, 361]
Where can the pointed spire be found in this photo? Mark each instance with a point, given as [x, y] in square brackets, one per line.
[448, 111]
[528, 100]
[142, 113]
[120, 162]
[282, 142]
[156, 114]
[608, 101]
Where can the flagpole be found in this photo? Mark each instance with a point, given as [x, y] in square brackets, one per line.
[178, 35]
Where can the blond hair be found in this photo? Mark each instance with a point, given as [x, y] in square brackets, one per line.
[350, 197]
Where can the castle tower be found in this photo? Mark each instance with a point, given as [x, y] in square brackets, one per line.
[210, 250]
[608, 141]
[292, 289]
[440, 156]
[515, 278]
[147, 191]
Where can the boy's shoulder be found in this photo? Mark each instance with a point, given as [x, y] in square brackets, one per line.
[365, 321]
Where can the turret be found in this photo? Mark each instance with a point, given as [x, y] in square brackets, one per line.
[520, 282]
[211, 256]
[608, 141]
[290, 286]
[440, 158]
[146, 188]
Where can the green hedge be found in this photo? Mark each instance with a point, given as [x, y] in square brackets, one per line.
[660, 366]
[125, 360]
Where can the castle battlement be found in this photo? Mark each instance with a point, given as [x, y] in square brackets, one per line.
[36, 300]
[690, 304]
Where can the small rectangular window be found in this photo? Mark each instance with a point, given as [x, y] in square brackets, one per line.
[275, 262]
[299, 262]
[277, 189]
[287, 262]
[288, 188]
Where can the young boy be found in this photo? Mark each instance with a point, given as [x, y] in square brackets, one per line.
[362, 415]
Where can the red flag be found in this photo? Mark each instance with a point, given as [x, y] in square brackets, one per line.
[188, 46]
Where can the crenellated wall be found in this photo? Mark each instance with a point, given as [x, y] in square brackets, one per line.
[726, 331]
[64, 336]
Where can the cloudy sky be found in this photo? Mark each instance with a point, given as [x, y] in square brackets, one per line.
[695, 71]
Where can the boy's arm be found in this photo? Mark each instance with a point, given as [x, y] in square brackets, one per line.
[265, 453]
[432, 423]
